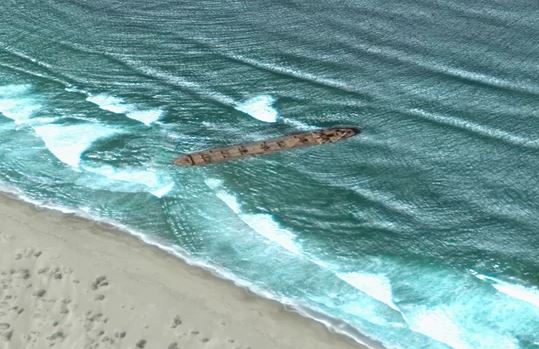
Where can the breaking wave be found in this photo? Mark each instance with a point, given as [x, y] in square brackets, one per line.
[376, 286]
[18, 103]
[119, 106]
[380, 232]
[130, 180]
[260, 108]
[526, 294]
[438, 324]
[68, 142]
[262, 224]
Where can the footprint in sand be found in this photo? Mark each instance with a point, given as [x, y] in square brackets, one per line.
[176, 322]
[23, 274]
[27, 253]
[119, 334]
[40, 293]
[17, 309]
[5, 238]
[56, 337]
[5, 331]
[100, 282]
[64, 309]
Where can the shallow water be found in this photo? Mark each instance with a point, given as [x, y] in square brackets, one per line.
[419, 233]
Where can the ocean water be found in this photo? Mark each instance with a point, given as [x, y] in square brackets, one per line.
[421, 233]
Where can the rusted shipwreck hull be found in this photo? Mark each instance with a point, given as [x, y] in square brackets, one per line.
[238, 151]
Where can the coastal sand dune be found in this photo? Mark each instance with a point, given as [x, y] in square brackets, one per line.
[69, 283]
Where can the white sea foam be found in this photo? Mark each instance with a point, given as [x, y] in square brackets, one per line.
[230, 201]
[527, 294]
[438, 324]
[213, 183]
[109, 103]
[162, 191]
[71, 88]
[375, 285]
[262, 224]
[14, 90]
[330, 323]
[119, 106]
[17, 103]
[260, 108]
[68, 142]
[298, 124]
[147, 117]
[133, 179]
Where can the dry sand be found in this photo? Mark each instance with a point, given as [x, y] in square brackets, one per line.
[66, 282]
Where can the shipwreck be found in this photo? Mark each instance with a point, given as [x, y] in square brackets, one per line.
[238, 151]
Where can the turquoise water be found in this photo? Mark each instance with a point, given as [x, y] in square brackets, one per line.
[420, 233]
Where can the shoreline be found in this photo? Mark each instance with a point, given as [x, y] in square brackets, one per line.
[302, 327]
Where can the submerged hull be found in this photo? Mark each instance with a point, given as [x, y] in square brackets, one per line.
[239, 151]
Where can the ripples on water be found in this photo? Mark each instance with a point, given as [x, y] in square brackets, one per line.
[420, 233]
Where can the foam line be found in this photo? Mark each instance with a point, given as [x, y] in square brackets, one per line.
[119, 106]
[332, 324]
[68, 142]
[374, 285]
[108, 103]
[147, 117]
[162, 191]
[418, 61]
[260, 108]
[526, 294]
[262, 224]
[131, 180]
[230, 201]
[437, 324]
[174, 80]
[42, 65]
[290, 72]
[14, 90]
[442, 324]
[299, 125]
[17, 103]
[478, 129]
[480, 78]
[29, 72]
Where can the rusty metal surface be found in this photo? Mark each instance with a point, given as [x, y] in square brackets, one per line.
[239, 151]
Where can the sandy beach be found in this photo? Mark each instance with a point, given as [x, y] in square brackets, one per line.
[66, 282]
